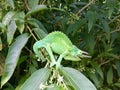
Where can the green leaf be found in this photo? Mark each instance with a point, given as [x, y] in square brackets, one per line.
[88, 38]
[98, 69]
[37, 24]
[76, 79]
[38, 77]
[117, 84]
[95, 79]
[54, 87]
[2, 27]
[32, 68]
[40, 33]
[35, 9]
[105, 27]
[39, 29]
[118, 67]
[110, 76]
[7, 18]
[19, 19]
[91, 16]
[13, 56]
[32, 3]
[11, 3]
[76, 26]
[111, 6]
[11, 31]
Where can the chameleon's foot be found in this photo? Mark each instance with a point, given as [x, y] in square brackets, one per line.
[52, 64]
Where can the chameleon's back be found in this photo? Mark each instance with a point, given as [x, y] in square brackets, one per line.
[59, 42]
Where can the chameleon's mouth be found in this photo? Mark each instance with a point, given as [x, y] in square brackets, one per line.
[83, 54]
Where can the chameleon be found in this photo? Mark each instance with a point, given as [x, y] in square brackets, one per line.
[57, 42]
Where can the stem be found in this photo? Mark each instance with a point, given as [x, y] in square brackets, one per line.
[43, 1]
[31, 33]
[114, 19]
[87, 5]
[117, 30]
[26, 4]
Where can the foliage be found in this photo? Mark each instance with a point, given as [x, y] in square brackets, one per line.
[93, 26]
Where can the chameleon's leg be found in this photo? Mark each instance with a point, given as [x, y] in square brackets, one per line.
[36, 48]
[48, 48]
[60, 59]
[41, 44]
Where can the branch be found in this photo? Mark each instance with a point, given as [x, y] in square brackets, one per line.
[114, 19]
[31, 33]
[26, 4]
[117, 30]
[87, 5]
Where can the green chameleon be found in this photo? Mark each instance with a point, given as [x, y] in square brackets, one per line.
[57, 42]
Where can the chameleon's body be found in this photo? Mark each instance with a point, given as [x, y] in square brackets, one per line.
[59, 43]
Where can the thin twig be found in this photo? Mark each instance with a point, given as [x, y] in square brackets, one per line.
[114, 19]
[117, 30]
[26, 4]
[43, 1]
[87, 5]
[105, 62]
[28, 50]
[31, 33]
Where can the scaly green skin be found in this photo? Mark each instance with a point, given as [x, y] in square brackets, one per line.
[58, 43]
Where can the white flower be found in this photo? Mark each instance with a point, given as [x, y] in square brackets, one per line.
[42, 86]
[60, 79]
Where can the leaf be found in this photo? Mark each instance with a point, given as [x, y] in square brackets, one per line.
[95, 79]
[91, 16]
[13, 56]
[32, 68]
[7, 18]
[118, 67]
[76, 79]
[19, 19]
[11, 3]
[39, 29]
[88, 38]
[37, 24]
[98, 69]
[111, 6]
[35, 9]
[2, 27]
[76, 26]
[22, 80]
[11, 31]
[110, 76]
[117, 84]
[40, 33]
[105, 27]
[0, 44]
[54, 87]
[38, 77]
[32, 3]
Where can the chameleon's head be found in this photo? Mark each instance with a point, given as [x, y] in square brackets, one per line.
[76, 54]
[79, 53]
